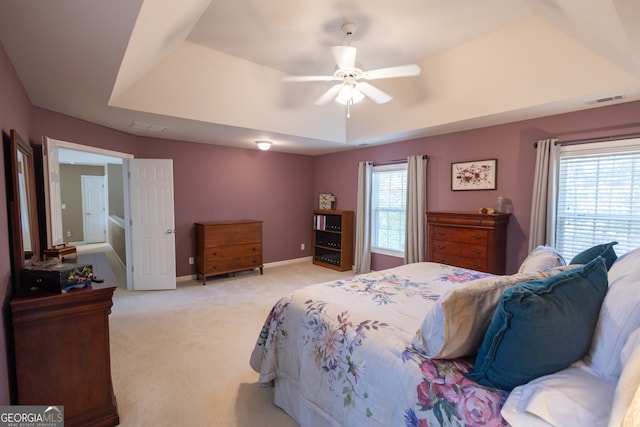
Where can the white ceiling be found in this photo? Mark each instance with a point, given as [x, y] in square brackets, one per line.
[209, 70]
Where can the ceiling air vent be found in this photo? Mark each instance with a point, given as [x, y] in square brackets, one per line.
[607, 99]
[147, 126]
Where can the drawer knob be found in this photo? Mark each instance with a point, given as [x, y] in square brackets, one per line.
[477, 252]
[441, 246]
[476, 237]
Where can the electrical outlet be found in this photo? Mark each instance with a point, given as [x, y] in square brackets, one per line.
[190, 260]
[302, 246]
[68, 233]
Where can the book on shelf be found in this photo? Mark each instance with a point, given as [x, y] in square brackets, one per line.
[326, 222]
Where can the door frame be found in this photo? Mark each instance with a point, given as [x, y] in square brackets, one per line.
[51, 144]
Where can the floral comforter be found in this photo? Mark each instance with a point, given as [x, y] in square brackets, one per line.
[339, 354]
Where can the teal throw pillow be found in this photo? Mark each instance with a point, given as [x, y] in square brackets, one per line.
[541, 327]
[604, 250]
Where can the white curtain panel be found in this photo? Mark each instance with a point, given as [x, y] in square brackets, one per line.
[363, 218]
[415, 250]
[541, 230]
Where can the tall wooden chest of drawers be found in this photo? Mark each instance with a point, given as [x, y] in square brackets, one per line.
[468, 240]
[62, 354]
[227, 247]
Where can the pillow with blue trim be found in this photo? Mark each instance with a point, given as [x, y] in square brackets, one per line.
[541, 326]
[604, 250]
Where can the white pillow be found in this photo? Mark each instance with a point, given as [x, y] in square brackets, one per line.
[619, 316]
[629, 379]
[540, 259]
[570, 397]
[455, 325]
[632, 419]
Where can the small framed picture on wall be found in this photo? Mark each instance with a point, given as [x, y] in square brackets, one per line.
[475, 175]
[326, 201]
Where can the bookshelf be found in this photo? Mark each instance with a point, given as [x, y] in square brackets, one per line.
[333, 239]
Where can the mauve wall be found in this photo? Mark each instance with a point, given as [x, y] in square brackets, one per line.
[65, 128]
[15, 113]
[213, 183]
[511, 144]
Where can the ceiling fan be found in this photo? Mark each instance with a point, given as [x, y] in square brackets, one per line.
[352, 87]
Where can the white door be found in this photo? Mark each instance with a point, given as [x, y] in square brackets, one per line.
[151, 240]
[94, 209]
[53, 204]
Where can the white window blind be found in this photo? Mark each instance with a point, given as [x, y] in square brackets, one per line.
[389, 205]
[598, 197]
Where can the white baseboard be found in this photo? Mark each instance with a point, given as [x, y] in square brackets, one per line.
[267, 265]
[289, 261]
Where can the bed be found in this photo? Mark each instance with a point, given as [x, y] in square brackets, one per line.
[403, 347]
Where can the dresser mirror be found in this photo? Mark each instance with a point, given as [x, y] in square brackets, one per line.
[21, 200]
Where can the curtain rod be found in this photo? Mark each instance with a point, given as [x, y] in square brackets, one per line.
[393, 162]
[595, 139]
[599, 139]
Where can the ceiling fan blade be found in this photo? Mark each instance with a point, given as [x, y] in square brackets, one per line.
[329, 95]
[389, 72]
[307, 78]
[376, 95]
[345, 57]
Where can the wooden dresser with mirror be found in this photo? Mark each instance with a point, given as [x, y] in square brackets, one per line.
[60, 353]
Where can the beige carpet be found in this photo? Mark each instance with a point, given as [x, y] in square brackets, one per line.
[181, 357]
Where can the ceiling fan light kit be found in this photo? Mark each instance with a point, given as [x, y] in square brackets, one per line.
[349, 95]
[351, 88]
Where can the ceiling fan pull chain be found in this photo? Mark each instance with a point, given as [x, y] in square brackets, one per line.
[349, 108]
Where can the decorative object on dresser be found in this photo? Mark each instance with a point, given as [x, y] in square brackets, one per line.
[333, 239]
[55, 276]
[228, 247]
[60, 251]
[469, 240]
[476, 175]
[326, 201]
[62, 354]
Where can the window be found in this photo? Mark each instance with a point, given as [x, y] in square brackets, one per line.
[598, 197]
[389, 209]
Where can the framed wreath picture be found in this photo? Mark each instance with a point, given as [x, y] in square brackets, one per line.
[476, 175]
